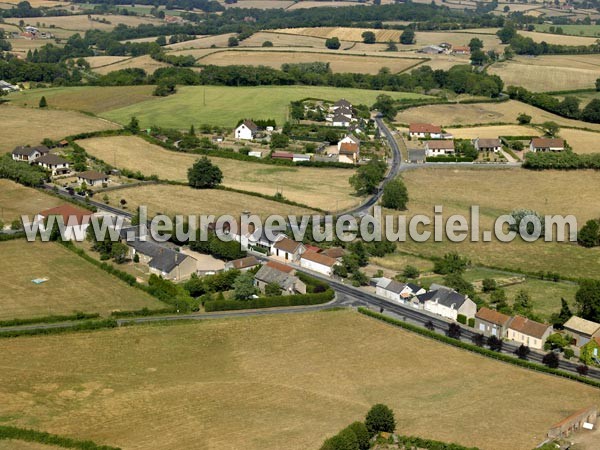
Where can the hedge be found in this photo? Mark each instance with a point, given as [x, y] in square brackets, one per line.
[82, 326]
[25, 434]
[430, 444]
[11, 236]
[270, 302]
[448, 159]
[49, 319]
[475, 349]
[144, 312]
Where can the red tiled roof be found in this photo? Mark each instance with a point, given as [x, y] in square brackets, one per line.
[319, 258]
[70, 214]
[528, 327]
[282, 155]
[547, 143]
[489, 315]
[348, 148]
[280, 267]
[287, 245]
[440, 144]
[424, 128]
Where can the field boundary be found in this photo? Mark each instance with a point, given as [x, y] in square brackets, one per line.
[29, 435]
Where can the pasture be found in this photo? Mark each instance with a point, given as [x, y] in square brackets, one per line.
[581, 141]
[571, 29]
[94, 99]
[558, 38]
[316, 187]
[483, 114]
[83, 23]
[493, 131]
[185, 200]
[144, 62]
[500, 191]
[99, 61]
[73, 283]
[219, 40]
[271, 382]
[338, 63]
[260, 4]
[17, 200]
[21, 126]
[224, 105]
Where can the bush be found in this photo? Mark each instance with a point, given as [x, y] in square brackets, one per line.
[380, 418]
[28, 435]
[270, 302]
[568, 353]
[362, 434]
[471, 322]
[461, 318]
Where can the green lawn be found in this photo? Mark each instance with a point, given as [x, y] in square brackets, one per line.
[224, 106]
[573, 30]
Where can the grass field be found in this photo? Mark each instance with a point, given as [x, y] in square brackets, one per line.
[545, 296]
[99, 61]
[94, 99]
[219, 40]
[285, 40]
[16, 199]
[558, 38]
[226, 105]
[82, 23]
[139, 62]
[571, 29]
[260, 4]
[185, 200]
[73, 284]
[22, 126]
[493, 131]
[316, 187]
[338, 63]
[500, 191]
[270, 383]
[581, 141]
[484, 113]
[23, 445]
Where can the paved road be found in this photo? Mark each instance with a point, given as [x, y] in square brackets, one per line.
[87, 202]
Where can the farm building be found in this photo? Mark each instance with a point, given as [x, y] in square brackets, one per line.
[528, 332]
[318, 262]
[299, 157]
[439, 147]
[282, 155]
[243, 264]
[546, 145]
[246, 130]
[424, 130]
[7, 87]
[432, 50]
[582, 330]
[416, 155]
[487, 145]
[461, 50]
[396, 291]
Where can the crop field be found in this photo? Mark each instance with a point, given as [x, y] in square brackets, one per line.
[584, 97]
[581, 141]
[571, 29]
[224, 106]
[484, 113]
[493, 131]
[99, 61]
[558, 38]
[24, 45]
[500, 191]
[316, 187]
[73, 284]
[219, 40]
[271, 382]
[550, 78]
[82, 23]
[316, 4]
[260, 4]
[23, 445]
[16, 200]
[139, 62]
[94, 99]
[285, 40]
[338, 63]
[185, 200]
[21, 126]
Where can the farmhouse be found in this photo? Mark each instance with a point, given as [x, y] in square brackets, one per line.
[528, 332]
[487, 145]
[395, 291]
[583, 331]
[546, 145]
[76, 220]
[246, 130]
[492, 323]
[424, 130]
[29, 154]
[162, 260]
[243, 264]
[56, 164]
[447, 303]
[318, 262]
[439, 148]
[281, 275]
[461, 50]
[92, 178]
[288, 249]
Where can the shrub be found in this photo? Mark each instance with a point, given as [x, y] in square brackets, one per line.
[471, 322]
[380, 418]
[362, 434]
[270, 302]
[461, 318]
[568, 353]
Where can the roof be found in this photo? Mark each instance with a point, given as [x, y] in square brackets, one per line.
[460, 48]
[334, 252]
[69, 213]
[92, 175]
[547, 143]
[424, 128]
[340, 118]
[52, 160]
[349, 148]
[352, 138]
[528, 327]
[395, 287]
[250, 125]
[268, 274]
[282, 155]
[582, 325]
[343, 102]
[319, 258]
[287, 245]
[426, 296]
[414, 287]
[163, 259]
[279, 266]
[440, 144]
[489, 315]
[448, 297]
[489, 143]
[29, 150]
[244, 263]
[416, 154]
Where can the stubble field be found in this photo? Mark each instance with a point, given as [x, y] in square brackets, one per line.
[271, 383]
[316, 187]
[17, 200]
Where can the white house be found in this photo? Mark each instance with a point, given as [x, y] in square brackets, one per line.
[75, 221]
[29, 154]
[439, 148]
[339, 120]
[424, 130]
[348, 139]
[246, 130]
[395, 291]
[54, 163]
[92, 178]
[288, 249]
[487, 145]
[546, 145]
[528, 332]
[318, 262]
[447, 303]
[341, 103]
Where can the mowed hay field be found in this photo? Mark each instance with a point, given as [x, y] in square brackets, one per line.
[559, 39]
[21, 126]
[549, 73]
[484, 113]
[581, 141]
[94, 99]
[315, 187]
[224, 105]
[73, 283]
[17, 200]
[144, 62]
[272, 382]
[11, 444]
[82, 23]
[338, 63]
[493, 131]
[185, 200]
[99, 61]
[500, 191]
